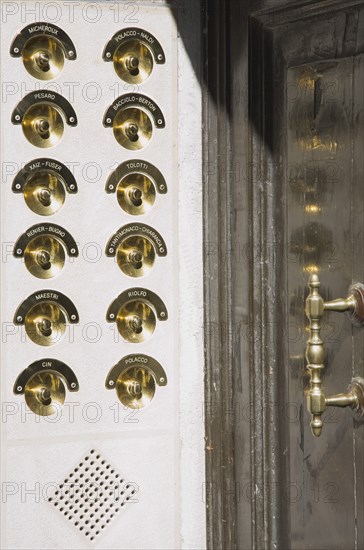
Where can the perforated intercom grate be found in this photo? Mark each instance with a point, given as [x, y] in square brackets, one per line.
[92, 495]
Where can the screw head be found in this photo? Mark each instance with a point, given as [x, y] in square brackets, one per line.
[17, 117]
[73, 385]
[73, 251]
[19, 251]
[19, 319]
[163, 314]
[72, 186]
[112, 316]
[73, 317]
[108, 120]
[160, 121]
[71, 53]
[108, 55]
[19, 388]
[111, 187]
[160, 57]
[72, 119]
[111, 383]
[16, 50]
[162, 380]
[18, 186]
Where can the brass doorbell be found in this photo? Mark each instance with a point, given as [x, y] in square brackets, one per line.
[43, 183]
[136, 184]
[133, 117]
[42, 115]
[134, 52]
[45, 315]
[136, 312]
[135, 247]
[44, 248]
[43, 385]
[43, 47]
[135, 378]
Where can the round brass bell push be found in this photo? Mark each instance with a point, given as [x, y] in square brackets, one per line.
[44, 393]
[43, 57]
[136, 256]
[133, 128]
[42, 116]
[136, 194]
[43, 48]
[44, 193]
[136, 321]
[43, 183]
[44, 257]
[43, 125]
[135, 379]
[134, 52]
[133, 61]
[45, 315]
[45, 323]
[133, 118]
[135, 388]
[136, 184]
[136, 246]
[43, 385]
[136, 312]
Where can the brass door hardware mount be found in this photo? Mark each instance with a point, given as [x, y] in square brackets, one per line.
[43, 183]
[135, 247]
[44, 248]
[42, 115]
[133, 118]
[43, 385]
[136, 184]
[135, 312]
[317, 402]
[134, 52]
[135, 378]
[44, 48]
[45, 315]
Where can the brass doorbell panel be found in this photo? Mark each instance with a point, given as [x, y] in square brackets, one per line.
[43, 385]
[135, 378]
[43, 48]
[44, 183]
[136, 184]
[42, 116]
[134, 52]
[135, 312]
[44, 248]
[135, 247]
[45, 315]
[133, 118]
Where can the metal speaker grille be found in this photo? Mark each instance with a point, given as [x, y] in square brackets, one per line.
[92, 495]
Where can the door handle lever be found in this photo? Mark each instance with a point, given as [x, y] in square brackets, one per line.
[317, 402]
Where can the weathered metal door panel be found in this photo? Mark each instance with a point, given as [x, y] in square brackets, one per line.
[302, 144]
[325, 232]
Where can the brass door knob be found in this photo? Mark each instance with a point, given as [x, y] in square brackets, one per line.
[317, 402]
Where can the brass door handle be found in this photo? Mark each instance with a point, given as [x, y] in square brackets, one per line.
[317, 402]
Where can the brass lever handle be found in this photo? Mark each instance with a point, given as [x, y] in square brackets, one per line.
[317, 402]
